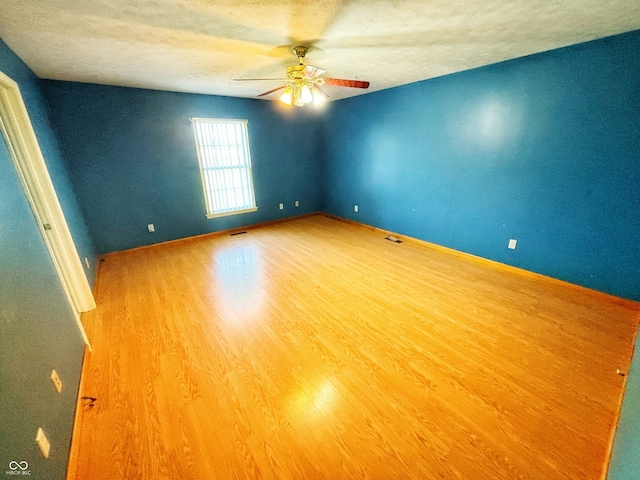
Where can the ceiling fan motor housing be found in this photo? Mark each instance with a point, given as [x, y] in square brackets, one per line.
[296, 71]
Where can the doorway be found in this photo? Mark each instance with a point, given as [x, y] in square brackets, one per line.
[36, 182]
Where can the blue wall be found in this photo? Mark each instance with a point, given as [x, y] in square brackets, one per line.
[544, 149]
[37, 328]
[133, 161]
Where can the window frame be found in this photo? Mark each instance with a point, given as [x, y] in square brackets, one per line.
[247, 167]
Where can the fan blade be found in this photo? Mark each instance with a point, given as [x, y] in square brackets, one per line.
[271, 91]
[312, 72]
[254, 79]
[338, 82]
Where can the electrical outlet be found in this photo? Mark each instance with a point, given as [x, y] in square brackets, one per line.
[56, 381]
[86, 261]
[512, 244]
[151, 228]
[297, 203]
[43, 443]
[282, 206]
[355, 208]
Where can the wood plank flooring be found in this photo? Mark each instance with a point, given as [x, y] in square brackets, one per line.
[314, 349]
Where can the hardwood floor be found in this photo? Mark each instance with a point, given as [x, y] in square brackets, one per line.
[314, 349]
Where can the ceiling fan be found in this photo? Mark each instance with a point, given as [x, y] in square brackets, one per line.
[303, 83]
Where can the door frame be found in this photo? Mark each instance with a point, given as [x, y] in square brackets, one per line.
[38, 187]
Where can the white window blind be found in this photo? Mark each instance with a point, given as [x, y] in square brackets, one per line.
[225, 165]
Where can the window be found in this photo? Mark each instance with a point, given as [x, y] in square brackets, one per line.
[225, 166]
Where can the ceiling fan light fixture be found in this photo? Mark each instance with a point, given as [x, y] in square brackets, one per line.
[305, 94]
[297, 96]
[318, 96]
[286, 97]
[302, 83]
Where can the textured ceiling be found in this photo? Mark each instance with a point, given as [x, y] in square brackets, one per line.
[202, 45]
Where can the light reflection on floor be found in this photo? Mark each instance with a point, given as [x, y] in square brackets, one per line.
[237, 283]
[315, 403]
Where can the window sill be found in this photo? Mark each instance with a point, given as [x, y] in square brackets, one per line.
[233, 212]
